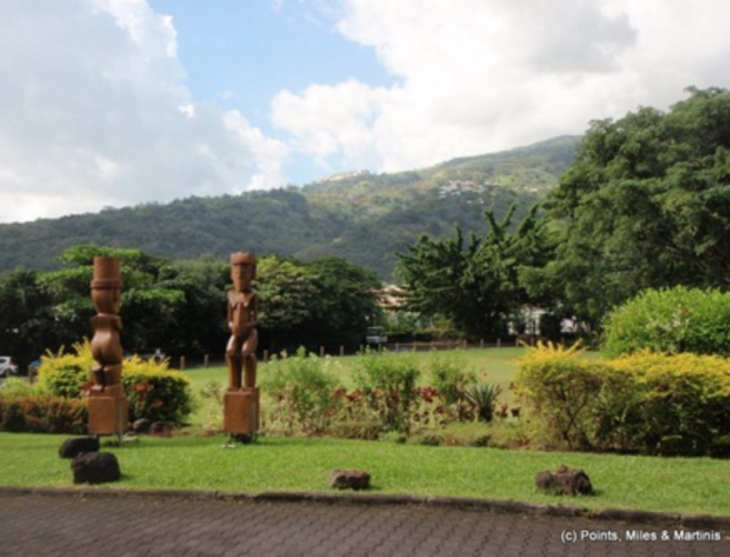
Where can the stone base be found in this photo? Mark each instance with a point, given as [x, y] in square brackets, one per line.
[241, 411]
[108, 415]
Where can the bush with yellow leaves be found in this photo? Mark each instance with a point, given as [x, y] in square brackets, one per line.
[155, 392]
[561, 390]
[648, 402]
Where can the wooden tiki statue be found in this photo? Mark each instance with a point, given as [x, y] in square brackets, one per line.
[241, 402]
[108, 406]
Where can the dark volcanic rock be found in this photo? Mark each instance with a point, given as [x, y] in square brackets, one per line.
[77, 445]
[95, 468]
[349, 479]
[141, 426]
[564, 481]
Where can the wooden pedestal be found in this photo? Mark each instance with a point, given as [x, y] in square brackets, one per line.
[241, 411]
[108, 415]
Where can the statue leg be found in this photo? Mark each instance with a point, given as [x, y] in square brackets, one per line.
[235, 363]
[249, 355]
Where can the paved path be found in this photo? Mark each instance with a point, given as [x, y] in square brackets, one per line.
[136, 526]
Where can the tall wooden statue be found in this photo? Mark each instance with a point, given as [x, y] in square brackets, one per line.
[108, 405]
[241, 401]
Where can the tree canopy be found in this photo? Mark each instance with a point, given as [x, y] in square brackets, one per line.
[478, 283]
[179, 306]
[645, 204]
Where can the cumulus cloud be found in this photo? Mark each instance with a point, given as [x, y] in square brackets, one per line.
[475, 76]
[95, 112]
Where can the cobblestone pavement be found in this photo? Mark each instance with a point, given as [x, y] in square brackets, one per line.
[137, 526]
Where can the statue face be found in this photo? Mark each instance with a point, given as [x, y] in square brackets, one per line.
[242, 276]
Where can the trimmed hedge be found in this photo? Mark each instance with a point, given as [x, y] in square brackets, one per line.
[670, 321]
[647, 402]
[667, 404]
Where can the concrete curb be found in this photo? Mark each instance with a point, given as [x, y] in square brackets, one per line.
[462, 503]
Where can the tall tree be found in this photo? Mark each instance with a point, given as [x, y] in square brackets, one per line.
[645, 204]
[478, 284]
[347, 304]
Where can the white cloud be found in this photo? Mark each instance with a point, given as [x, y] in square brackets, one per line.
[481, 75]
[95, 112]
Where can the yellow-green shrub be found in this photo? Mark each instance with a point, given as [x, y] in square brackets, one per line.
[647, 402]
[667, 404]
[154, 391]
[67, 374]
[561, 391]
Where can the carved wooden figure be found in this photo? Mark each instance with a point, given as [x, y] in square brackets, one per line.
[241, 402]
[108, 406]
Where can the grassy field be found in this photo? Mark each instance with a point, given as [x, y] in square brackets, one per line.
[697, 485]
[493, 364]
[496, 365]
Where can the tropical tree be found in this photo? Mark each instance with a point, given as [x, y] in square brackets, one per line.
[645, 204]
[478, 283]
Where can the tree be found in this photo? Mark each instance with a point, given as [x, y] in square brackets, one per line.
[347, 304]
[288, 297]
[477, 284]
[645, 204]
[24, 320]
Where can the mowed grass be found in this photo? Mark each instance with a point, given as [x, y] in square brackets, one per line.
[495, 365]
[680, 485]
[491, 364]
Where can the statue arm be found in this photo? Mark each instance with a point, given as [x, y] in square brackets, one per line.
[230, 312]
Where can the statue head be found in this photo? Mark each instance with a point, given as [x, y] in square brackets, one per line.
[106, 287]
[243, 270]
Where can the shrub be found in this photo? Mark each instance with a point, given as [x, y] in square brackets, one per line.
[647, 402]
[154, 391]
[389, 385]
[15, 387]
[43, 414]
[213, 393]
[561, 391]
[67, 374]
[484, 398]
[670, 321]
[451, 379]
[666, 404]
[301, 389]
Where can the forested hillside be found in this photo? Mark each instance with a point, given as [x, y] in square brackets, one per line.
[360, 216]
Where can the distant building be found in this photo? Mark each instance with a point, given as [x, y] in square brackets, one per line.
[390, 297]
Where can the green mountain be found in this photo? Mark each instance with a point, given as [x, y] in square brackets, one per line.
[361, 216]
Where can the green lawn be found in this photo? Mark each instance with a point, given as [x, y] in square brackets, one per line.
[496, 365]
[683, 485]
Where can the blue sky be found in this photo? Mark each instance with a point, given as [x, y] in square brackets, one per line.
[240, 54]
[122, 102]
